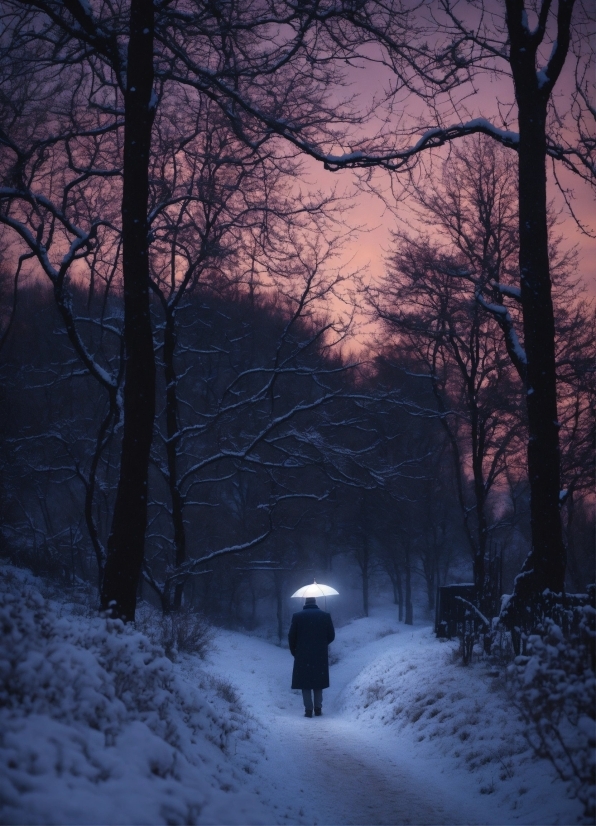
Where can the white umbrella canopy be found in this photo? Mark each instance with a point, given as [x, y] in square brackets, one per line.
[315, 590]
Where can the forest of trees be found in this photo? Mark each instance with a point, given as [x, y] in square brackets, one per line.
[183, 412]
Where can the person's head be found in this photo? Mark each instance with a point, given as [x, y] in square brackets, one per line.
[310, 601]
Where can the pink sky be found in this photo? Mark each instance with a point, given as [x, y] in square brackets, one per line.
[367, 249]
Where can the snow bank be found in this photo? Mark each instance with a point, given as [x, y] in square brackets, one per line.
[435, 707]
[97, 726]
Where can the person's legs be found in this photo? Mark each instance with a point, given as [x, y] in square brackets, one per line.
[318, 692]
[307, 699]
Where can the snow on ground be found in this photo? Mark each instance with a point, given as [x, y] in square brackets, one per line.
[99, 727]
[408, 734]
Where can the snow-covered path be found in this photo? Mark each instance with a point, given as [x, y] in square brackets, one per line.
[97, 726]
[333, 769]
[346, 780]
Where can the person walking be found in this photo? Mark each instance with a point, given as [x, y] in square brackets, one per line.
[310, 633]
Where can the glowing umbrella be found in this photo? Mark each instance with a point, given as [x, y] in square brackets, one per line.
[315, 590]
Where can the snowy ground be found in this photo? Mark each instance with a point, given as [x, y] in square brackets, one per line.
[408, 735]
[98, 727]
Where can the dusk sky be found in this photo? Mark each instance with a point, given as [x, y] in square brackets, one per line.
[367, 249]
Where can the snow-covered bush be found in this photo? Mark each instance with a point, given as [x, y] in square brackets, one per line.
[97, 726]
[554, 688]
[97, 674]
[179, 632]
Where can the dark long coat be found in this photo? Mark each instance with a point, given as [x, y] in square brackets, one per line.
[310, 633]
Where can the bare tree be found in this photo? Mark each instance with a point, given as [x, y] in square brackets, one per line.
[112, 69]
[216, 212]
[428, 305]
[474, 211]
[441, 52]
[244, 412]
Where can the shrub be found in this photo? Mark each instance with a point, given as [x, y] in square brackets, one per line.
[554, 687]
[182, 631]
[225, 690]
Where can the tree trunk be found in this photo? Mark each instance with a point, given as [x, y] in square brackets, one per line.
[166, 598]
[570, 540]
[430, 586]
[400, 596]
[546, 561]
[408, 571]
[172, 449]
[90, 485]
[364, 565]
[544, 568]
[457, 464]
[253, 605]
[478, 450]
[279, 605]
[126, 543]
